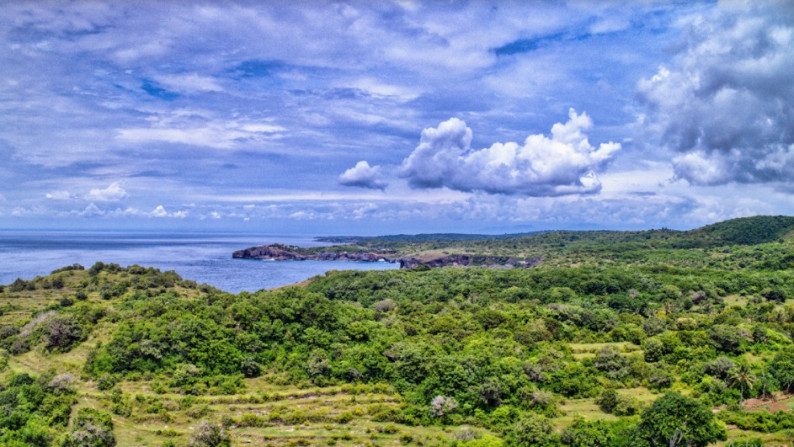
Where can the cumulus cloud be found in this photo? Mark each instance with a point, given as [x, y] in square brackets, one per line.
[726, 102]
[160, 211]
[564, 163]
[90, 211]
[364, 176]
[112, 193]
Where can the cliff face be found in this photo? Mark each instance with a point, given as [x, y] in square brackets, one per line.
[277, 253]
[469, 260]
[282, 253]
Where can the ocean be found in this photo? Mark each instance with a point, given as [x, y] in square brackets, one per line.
[204, 258]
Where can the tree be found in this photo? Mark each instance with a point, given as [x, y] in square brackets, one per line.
[534, 430]
[653, 350]
[742, 377]
[674, 420]
[441, 406]
[782, 369]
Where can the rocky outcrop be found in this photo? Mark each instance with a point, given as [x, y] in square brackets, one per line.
[468, 260]
[279, 252]
[286, 253]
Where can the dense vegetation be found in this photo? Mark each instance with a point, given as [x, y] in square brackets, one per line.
[616, 339]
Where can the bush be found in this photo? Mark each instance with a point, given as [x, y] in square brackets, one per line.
[106, 382]
[91, 428]
[534, 431]
[386, 305]
[653, 350]
[209, 435]
[250, 368]
[608, 400]
[441, 406]
[62, 333]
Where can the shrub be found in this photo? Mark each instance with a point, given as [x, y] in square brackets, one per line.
[386, 305]
[250, 368]
[91, 428]
[209, 435]
[106, 382]
[62, 333]
[534, 431]
[441, 406]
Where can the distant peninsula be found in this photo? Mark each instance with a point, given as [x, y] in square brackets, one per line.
[524, 250]
[279, 252]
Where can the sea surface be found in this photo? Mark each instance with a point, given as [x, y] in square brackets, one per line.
[202, 257]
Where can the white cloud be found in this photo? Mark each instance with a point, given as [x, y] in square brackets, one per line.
[190, 83]
[59, 195]
[363, 175]
[563, 164]
[112, 193]
[160, 211]
[262, 128]
[726, 102]
[379, 88]
[195, 128]
[91, 211]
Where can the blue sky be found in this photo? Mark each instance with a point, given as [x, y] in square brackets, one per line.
[394, 117]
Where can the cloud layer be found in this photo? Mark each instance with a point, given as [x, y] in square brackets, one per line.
[726, 102]
[564, 163]
[239, 114]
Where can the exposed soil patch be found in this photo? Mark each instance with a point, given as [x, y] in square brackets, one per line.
[778, 402]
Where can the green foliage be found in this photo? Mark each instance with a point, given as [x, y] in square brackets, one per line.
[510, 350]
[759, 421]
[600, 434]
[611, 402]
[34, 410]
[674, 420]
[533, 431]
[90, 428]
[210, 435]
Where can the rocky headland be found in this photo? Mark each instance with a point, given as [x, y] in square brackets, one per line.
[278, 252]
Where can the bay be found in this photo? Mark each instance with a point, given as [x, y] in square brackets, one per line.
[202, 257]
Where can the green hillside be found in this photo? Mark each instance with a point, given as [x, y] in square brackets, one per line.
[613, 339]
[575, 247]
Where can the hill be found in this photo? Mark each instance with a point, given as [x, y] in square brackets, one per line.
[561, 247]
[611, 332]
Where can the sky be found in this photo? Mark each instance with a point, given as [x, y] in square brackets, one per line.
[361, 117]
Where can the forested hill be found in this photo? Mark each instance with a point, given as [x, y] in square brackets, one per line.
[564, 247]
[742, 231]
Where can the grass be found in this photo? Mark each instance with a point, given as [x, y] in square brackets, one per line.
[581, 351]
[288, 415]
[268, 411]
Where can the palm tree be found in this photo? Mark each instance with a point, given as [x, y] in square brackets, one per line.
[742, 377]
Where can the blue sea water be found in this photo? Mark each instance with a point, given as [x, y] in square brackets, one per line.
[204, 258]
